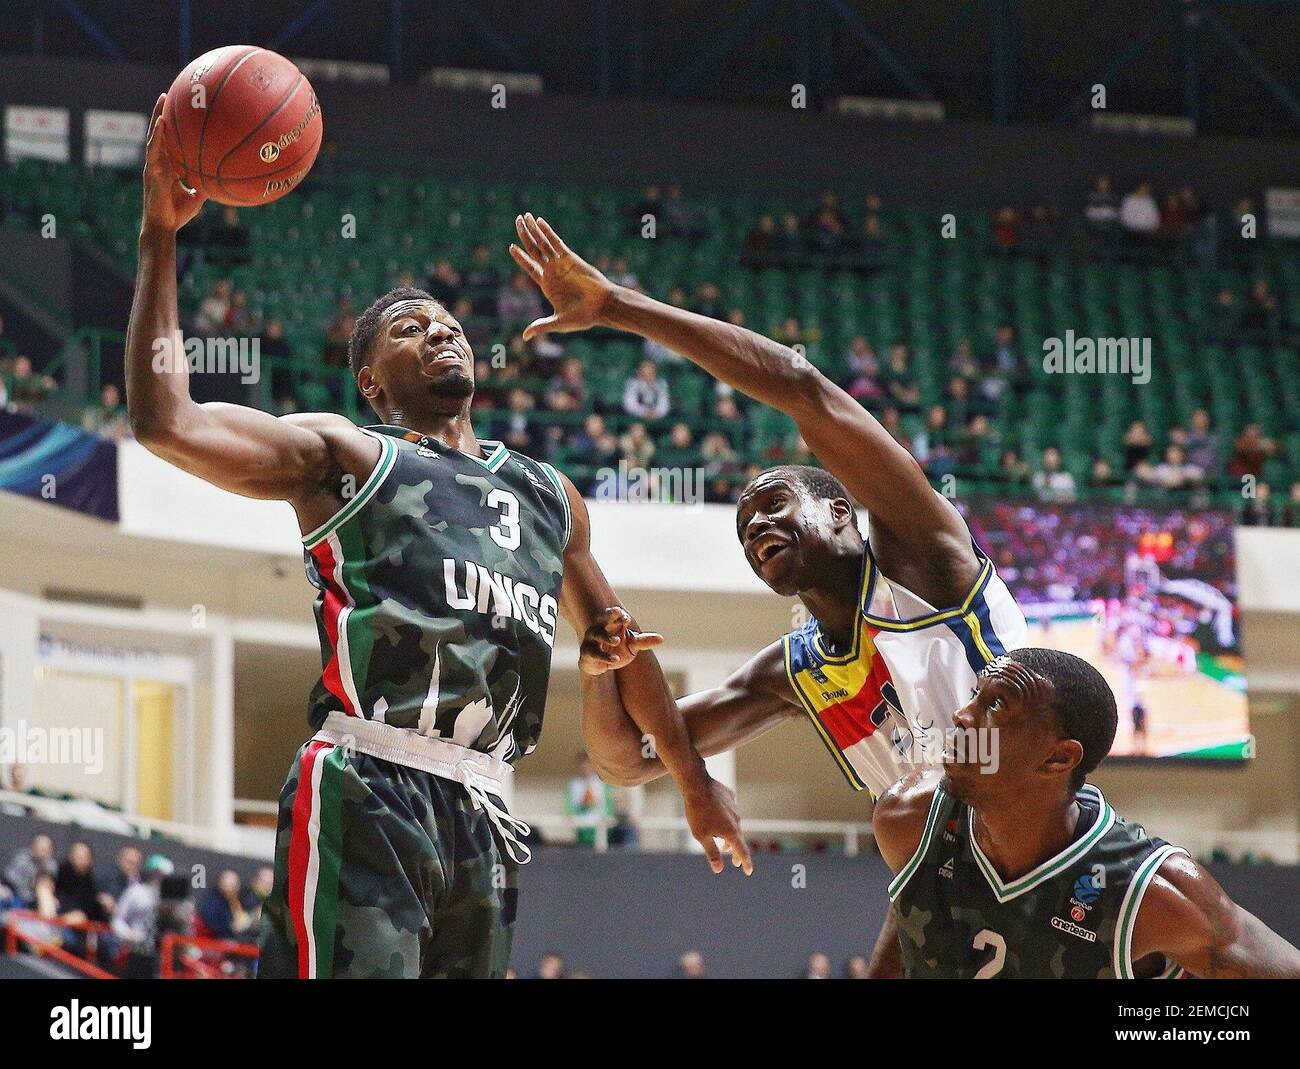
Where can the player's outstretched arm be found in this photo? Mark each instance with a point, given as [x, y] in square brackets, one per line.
[640, 693]
[1186, 916]
[239, 449]
[750, 702]
[883, 476]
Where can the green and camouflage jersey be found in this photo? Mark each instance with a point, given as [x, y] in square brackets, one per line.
[1071, 917]
[439, 586]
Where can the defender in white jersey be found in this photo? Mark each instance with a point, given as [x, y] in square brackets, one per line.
[901, 622]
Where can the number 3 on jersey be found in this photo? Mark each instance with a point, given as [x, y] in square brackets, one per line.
[506, 533]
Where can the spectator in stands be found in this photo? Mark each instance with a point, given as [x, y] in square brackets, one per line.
[791, 332]
[872, 247]
[338, 332]
[1261, 318]
[637, 446]
[901, 388]
[1012, 471]
[621, 274]
[516, 428]
[274, 347]
[892, 421]
[1101, 214]
[14, 779]
[224, 912]
[108, 419]
[957, 400]
[1138, 444]
[1291, 513]
[856, 968]
[760, 242]
[651, 203]
[690, 966]
[963, 363]
[1174, 472]
[30, 865]
[1257, 511]
[975, 442]
[567, 392]
[1203, 443]
[788, 242]
[589, 801]
[227, 239]
[864, 373]
[708, 300]
[481, 281]
[1250, 452]
[444, 283]
[518, 303]
[240, 320]
[1103, 477]
[1003, 366]
[726, 414]
[682, 218]
[594, 441]
[1051, 482]
[826, 232]
[551, 967]
[1040, 234]
[77, 890]
[1225, 317]
[125, 871]
[645, 395]
[1006, 229]
[210, 319]
[260, 887]
[935, 447]
[28, 387]
[818, 967]
[721, 466]
[135, 920]
[1139, 214]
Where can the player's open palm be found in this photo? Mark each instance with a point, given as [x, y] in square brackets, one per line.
[611, 643]
[167, 203]
[576, 290]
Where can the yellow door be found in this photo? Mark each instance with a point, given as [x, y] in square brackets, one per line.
[155, 707]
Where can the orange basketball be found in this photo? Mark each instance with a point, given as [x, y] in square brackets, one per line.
[242, 125]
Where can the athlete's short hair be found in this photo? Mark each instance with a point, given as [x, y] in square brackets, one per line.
[1082, 703]
[818, 482]
[367, 326]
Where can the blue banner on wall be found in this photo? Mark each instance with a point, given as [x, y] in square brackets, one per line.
[60, 464]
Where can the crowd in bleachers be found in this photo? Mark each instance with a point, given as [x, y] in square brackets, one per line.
[940, 339]
[115, 917]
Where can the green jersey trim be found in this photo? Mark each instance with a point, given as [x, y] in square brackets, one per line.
[494, 459]
[1005, 892]
[554, 476]
[1122, 949]
[387, 458]
[908, 870]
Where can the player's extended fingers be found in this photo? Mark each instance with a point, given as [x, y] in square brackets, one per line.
[153, 146]
[644, 640]
[711, 852]
[556, 241]
[530, 266]
[527, 240]
[740, 856]
[539, 326]
[543, 242]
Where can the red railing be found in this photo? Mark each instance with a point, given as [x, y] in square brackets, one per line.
[200, 966]
[15, 936]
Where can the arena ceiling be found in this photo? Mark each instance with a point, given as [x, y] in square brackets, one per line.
[1230, 64]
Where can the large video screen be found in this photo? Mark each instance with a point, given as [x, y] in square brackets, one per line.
[1149, 596]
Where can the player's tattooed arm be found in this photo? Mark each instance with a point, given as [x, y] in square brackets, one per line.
[919, 537]
[1189, 918]
[240, 449]
[638, 692]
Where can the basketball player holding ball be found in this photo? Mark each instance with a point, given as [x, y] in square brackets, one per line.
[441, 562]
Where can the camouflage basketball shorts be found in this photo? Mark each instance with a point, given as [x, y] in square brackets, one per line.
[384, 871]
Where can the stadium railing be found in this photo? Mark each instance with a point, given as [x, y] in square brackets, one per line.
[22, 931]
[192, 957]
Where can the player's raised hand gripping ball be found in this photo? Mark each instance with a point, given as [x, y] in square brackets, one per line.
[242, 125]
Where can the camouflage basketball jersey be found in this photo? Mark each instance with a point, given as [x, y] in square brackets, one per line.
[1072, 917]
[439, 591]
